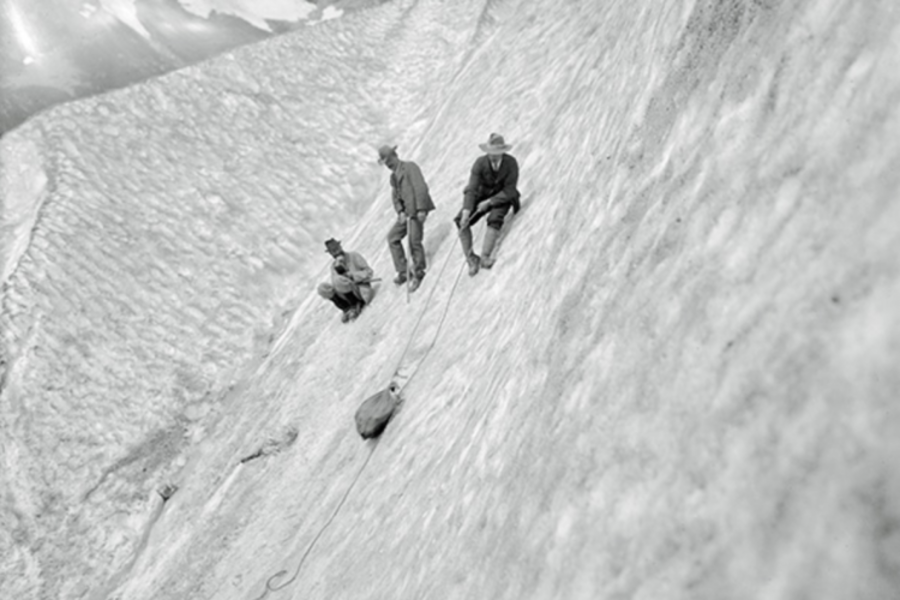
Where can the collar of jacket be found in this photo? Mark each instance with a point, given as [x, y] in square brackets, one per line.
[400, 171]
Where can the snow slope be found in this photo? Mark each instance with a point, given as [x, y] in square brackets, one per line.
[678, 381]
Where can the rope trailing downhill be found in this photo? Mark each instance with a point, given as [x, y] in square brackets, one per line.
[492, 191]
[419, 320]
[270, 585]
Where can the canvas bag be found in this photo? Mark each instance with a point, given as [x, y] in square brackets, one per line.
[373, 414]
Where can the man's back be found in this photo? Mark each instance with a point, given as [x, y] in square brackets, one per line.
[410, 189]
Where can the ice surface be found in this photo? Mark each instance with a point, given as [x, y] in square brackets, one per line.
[678, 381]
[125, 11]
[256, 12]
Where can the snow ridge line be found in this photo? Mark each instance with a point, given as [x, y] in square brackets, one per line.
[25, 186]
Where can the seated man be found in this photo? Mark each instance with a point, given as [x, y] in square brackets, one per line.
[491, 191]
[350, 288]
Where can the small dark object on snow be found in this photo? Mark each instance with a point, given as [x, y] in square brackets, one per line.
[250, 457]
[373, 414]
[167, 491]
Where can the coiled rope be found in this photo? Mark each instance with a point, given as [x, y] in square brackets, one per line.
[270, 586]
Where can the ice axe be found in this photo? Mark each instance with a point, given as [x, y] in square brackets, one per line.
[409, 246]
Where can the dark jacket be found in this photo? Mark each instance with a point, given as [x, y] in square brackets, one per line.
[409, 190]
[486, 183]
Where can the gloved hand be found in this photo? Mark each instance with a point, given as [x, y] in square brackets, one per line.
[421, 216]
[464, 218]
[401, 217]
[484, 206]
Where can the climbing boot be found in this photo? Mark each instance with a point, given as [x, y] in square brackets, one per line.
[400, 279]
[487, 250]
[474, 264]
[414, 284]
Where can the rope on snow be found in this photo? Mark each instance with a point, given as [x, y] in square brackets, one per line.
[270, 586]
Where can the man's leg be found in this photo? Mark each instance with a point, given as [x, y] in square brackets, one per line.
[356, 296]
[465, 239]
[352, 303]
[416, 247]
[395, 245]
[344, 304]
[491, 233]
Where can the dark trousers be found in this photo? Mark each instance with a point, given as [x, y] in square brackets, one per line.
[345, 302]
[416, 247]
[495, 216]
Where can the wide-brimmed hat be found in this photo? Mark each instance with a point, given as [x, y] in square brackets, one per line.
[495, 145]
[332, 244]
[386, 151]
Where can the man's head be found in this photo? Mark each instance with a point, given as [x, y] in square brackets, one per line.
[333, 247]
[387, 155]
[495, 146]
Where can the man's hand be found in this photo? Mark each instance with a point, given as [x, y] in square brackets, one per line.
[484, 206]
[401, 217]
[464, 219]
[421, 216]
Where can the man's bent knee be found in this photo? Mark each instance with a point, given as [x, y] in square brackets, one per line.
[366, 292]
[326, 290]
[396, 233]
[497, 216]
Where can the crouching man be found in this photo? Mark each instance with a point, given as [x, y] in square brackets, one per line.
[351, 281]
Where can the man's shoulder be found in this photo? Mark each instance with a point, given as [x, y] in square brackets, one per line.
[408, 165]
[481, 163]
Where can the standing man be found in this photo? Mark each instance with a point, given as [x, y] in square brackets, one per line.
[351, 281]
[491, 191]
[412, 202]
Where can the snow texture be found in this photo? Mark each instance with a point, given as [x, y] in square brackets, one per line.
[256, 12]
[678, 381]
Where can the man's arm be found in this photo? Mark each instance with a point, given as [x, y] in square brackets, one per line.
[395, 195]
[358, 269]
[472, 188]
[418, 185]
[510, 192]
